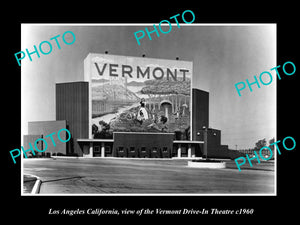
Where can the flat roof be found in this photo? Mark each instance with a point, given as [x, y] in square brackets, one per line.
[136, 132]
[112, 140]
[187, 142]
[95, 140]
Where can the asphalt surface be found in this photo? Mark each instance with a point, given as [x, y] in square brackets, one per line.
[132, 176]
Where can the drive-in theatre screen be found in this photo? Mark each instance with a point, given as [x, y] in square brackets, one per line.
[137, 94]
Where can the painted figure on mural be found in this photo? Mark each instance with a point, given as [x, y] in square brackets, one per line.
[142, 112]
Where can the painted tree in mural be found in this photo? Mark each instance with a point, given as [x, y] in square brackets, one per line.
[165, 87]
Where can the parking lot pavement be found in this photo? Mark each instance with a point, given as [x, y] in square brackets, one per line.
[131, 176]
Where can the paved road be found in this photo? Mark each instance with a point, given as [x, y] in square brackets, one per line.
[109, 176]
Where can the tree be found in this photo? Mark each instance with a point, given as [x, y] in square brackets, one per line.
[271, 141]
[261, 143]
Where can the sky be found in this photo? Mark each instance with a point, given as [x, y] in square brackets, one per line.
[222, 56]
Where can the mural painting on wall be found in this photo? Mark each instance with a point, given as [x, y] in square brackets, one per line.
[132, 94]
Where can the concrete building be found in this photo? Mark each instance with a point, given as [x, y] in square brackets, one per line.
[74, 108]
[41, 129]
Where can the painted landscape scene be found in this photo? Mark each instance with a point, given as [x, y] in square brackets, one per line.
[117, 103]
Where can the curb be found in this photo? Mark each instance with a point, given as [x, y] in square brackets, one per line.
[207, 165]
[65, 157]
[37, 185]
